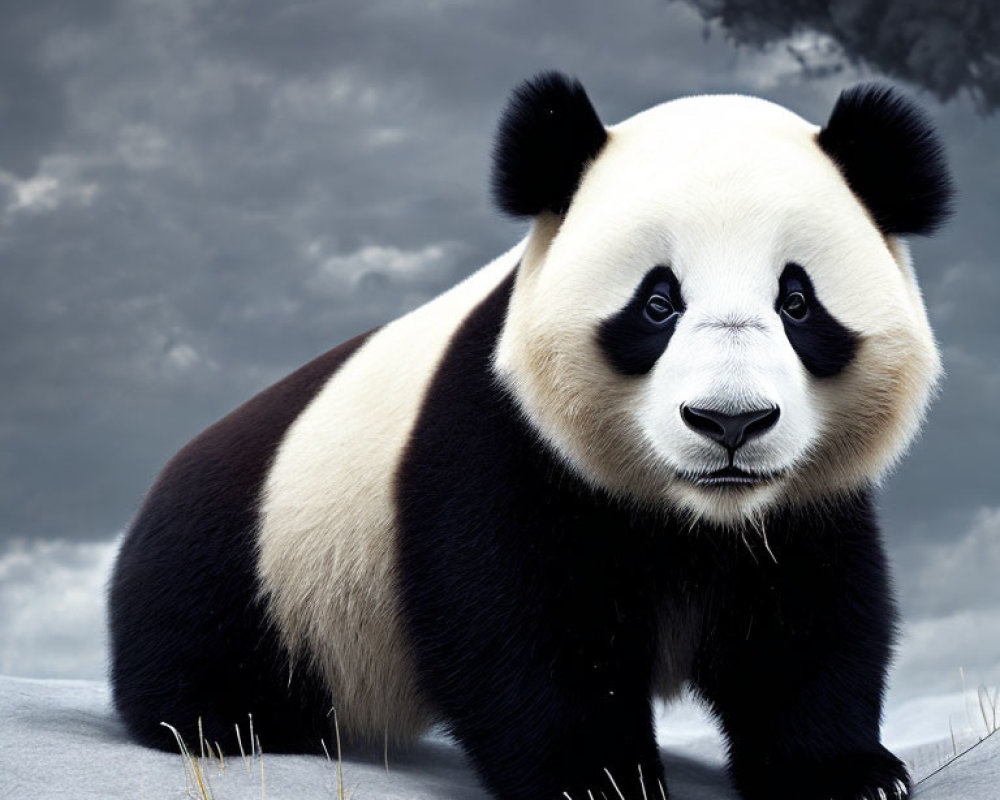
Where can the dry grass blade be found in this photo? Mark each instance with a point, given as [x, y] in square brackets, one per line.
[988, 708]
[340, 761]
[243, 755]
[996, 707]
[192, 769]
[982, 708]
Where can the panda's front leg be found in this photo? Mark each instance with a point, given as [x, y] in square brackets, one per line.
[544, 683]
[547, 737]
[795, 668]
[551, 729]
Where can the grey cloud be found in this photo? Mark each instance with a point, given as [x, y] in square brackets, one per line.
[933, 651]
[958, 574]
[34, 111]
[52, 609]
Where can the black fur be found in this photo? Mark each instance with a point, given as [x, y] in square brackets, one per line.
[547, 135]
[188, 632]
[631, 341]
[533, 603]
[891, 157]
[822, 343]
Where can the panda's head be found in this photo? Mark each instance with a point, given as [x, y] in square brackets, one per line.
[714, 311]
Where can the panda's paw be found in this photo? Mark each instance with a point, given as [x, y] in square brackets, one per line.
[857, 776]
[866, 776]
[878, 776]
[899, 790]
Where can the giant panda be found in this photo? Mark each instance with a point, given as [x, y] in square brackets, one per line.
[636, 452]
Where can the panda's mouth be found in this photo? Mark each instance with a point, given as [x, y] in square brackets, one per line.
[730, 477]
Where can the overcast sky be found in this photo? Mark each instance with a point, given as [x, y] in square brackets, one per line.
[197, 196]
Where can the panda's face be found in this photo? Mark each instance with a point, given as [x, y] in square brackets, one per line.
[716, 324]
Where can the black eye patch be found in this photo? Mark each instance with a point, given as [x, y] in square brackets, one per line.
[822, 343]
[635, 337]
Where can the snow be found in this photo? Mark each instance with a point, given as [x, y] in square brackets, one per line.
[974, 775]
[59, 739]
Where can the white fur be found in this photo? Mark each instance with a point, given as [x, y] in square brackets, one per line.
[726, 191]
[327, 542]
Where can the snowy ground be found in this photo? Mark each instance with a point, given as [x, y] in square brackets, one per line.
[59, 739]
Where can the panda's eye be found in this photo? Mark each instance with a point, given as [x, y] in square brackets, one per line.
[795, 307]
[659, 309]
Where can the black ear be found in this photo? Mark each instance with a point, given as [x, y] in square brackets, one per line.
[546, 136]
[891, 157]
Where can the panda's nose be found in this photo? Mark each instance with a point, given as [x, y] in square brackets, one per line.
[730, 430]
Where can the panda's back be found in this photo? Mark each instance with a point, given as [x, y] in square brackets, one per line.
[259, 576]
